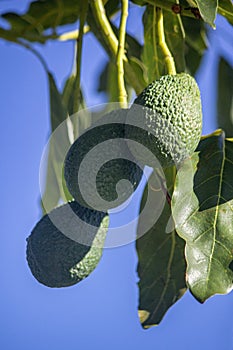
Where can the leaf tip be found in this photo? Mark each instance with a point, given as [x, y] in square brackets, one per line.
[143, 316]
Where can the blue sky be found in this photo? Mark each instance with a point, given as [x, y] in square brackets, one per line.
[100, 312]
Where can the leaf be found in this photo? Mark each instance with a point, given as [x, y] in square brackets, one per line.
[174, 33]
[195, 43]
[225, 97]
[161, 265]
[225, 8]
[79, 115]
[58, 147]
[40, 16]
[202, 207]
[208, 10]
[66, 245]
[139, 2]
[151, 57]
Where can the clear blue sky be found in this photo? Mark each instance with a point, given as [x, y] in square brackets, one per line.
[100, 312]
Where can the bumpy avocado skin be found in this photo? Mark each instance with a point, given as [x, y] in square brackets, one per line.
[122, 165]
[171, 115]
[55, 259]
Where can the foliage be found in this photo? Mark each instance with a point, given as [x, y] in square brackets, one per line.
[190, 244]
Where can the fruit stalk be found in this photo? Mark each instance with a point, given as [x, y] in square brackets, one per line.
[169, 60]
[120, 55]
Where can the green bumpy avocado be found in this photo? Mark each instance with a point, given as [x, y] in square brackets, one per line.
[66, 245]
[166, 118]
[105, 158]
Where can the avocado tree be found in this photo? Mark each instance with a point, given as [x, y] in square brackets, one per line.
[185, 224]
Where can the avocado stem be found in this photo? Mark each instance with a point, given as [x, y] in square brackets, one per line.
[120, 55]
[169, 60]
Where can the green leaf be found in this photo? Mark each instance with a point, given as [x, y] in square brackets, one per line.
[75, 104]
[161, 266]
[139, 2]
[40, 16]
[58, 147]
[225, 97]
[66, 245]
[174, 33]
[202, 207]
[208, 10]
[151, 56]
[195, 43]
[225, 8]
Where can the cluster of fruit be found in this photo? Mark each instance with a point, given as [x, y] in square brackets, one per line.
[162, 127]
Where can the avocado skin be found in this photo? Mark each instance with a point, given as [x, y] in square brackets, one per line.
[56, 260]
[122, 166]
[169, 120]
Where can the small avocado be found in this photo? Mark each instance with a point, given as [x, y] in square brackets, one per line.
[98, 160]
[166, 119]
[66, 245]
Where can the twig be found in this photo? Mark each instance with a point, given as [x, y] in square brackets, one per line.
[104, 25]
[177, 9]
[120, 55]
[109, 40]
[73, 35]
[169, 60]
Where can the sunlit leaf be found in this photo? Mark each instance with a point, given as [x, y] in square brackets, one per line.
[225, 97]
[202, 207]
[208, 10]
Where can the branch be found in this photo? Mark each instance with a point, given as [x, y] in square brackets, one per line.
[177, 9]
[72, 35]
[169, 60]
[108, 39]
[104, 25]
[121, 54]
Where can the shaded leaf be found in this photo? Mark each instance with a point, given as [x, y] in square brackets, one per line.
[74, 104]
[195, 43]
[202, 207]
[112, 7]
[174, 33]
[59, 144]
[66, 245]
[225, 8]
[139, 2]
[161, 265]
[208, 10]
[139, 69]
[225, 97]
[40, 16]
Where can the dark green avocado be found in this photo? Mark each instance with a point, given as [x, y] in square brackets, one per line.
[66, 245]
[166, 118]
[105, 159]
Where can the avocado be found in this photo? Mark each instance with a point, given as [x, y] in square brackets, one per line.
[166, 119]
[66, 245]
[98, 160]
